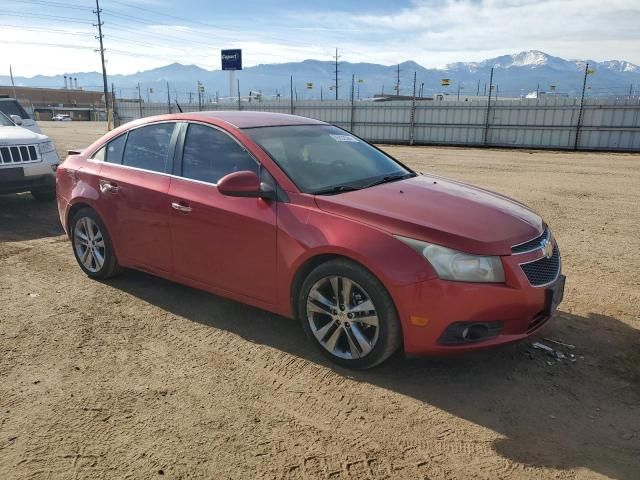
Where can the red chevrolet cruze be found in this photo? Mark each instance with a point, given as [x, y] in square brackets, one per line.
[304, 219]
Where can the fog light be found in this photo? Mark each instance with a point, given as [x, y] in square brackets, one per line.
[467, 332]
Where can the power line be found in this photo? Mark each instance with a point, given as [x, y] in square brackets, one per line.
[97, 11]
[48, 3]
[61, 32]
[47, 17]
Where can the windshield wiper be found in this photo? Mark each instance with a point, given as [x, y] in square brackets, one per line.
[336, 189]
[389, 178]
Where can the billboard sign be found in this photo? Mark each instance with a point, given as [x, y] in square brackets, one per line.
[231, 59]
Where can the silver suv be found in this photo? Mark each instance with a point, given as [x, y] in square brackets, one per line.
[28, 161]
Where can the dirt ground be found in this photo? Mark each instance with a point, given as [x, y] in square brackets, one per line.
[138, 377]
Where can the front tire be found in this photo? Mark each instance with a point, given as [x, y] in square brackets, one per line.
[92, 245]
[349, 315]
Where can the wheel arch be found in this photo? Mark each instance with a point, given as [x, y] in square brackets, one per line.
[307, 266]
[73, 209]
[79, 205]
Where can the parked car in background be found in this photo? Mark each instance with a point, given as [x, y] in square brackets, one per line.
[12, 109]
[28, 161]
[61, 117]
[304, 219]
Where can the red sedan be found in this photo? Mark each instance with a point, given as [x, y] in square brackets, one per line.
[304, 219]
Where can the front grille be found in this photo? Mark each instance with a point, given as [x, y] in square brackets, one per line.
[18, 154]
[543, 271]
[531, 244]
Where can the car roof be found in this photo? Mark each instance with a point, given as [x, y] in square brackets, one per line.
[255, 119]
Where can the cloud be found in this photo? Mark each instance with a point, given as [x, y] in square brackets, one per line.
[575, 28]
[431, 32]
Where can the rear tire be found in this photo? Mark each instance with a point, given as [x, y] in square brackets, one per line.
[43, 195]
[349, 315]
[92, 245]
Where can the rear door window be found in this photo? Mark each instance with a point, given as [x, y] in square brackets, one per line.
[148, 147]
[210, 154]
[99, 155]
[115, 148]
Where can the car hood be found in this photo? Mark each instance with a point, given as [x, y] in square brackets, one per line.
[19, 136]
[440, 211]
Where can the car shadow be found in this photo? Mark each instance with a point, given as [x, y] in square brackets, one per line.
[556, 414]
[23, 218]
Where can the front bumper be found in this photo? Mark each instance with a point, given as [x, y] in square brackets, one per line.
[431, 310]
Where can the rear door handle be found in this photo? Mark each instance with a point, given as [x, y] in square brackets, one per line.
[181, 207]
[106, 187]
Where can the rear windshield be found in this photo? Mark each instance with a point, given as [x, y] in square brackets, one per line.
[11, 107]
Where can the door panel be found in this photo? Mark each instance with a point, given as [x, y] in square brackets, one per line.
[133, 192]
[137, 211]
[225, 242]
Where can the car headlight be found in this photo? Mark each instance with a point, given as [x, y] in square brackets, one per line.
[451, 264]
[46, 147]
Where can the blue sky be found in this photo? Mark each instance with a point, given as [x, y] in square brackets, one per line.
[57, 36]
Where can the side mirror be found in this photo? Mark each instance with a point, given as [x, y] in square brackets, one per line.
[240, 184]
[17, 119]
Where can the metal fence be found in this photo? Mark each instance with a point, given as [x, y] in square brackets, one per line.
[551, 123]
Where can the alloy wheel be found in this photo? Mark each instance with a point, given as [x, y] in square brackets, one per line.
[89, 244]
[342, 317]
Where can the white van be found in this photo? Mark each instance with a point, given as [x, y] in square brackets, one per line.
[12, 109]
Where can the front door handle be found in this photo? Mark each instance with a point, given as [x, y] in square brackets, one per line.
[106, 187]
[180, 207]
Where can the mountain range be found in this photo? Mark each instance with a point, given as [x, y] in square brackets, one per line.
[514, 75]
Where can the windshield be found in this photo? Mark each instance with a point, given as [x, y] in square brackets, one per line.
[326, 159]
[4, 121]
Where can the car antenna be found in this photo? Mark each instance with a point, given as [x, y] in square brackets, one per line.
[179, 107]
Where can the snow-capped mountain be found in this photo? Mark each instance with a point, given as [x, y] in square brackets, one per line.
[513, 75]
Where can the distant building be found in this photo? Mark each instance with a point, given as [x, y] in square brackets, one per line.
[44, 103]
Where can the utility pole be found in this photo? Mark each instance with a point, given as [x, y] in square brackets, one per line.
[168, 98]
[107, 105]
[398, 81]
[238, 93]
[320, 92]
[478, 89]
[486, 123]
[336, 72]
[139, 100]
[190, 94]
[199, 97]
[291, 96]
[413, 112]
[630, 90]
[538, 91]
[12, 82]
[584, 87]
[113, 98]
[353, 79]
